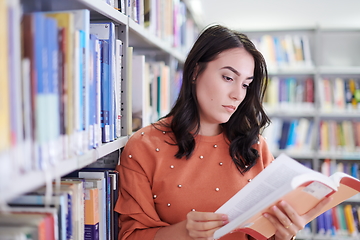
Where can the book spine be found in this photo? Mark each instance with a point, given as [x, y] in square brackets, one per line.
[105, 88]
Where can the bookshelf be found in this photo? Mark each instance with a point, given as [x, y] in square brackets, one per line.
[13, 182]
[328, 60]
[334, 55]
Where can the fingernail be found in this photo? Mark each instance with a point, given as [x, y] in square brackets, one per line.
[225, 222]
[266, 215]
[225, 217]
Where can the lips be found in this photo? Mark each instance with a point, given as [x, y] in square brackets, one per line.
[229, 108]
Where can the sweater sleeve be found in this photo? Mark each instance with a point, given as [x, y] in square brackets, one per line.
[138, 217]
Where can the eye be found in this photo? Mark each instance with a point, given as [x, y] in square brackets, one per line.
[227, 78]
[246, 86]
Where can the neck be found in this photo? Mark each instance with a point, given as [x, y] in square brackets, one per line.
[211, 130]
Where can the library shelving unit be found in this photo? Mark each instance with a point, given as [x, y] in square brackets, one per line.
[301, 127]
[13, 182]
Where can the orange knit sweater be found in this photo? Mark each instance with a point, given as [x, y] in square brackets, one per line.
[157, 189]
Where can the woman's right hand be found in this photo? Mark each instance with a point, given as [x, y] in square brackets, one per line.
[202, 225]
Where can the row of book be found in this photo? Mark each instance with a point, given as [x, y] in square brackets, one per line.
[118, 4]
[297, 135]
[289, 94]
[340, 221]
[166, 19]
[154, 90]
[339, 136]
[285, 51]
[329, 167]
[79, 206]
[339, 94]
[61, 94]
[335, 137]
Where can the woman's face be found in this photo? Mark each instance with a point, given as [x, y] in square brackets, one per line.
[222, 86]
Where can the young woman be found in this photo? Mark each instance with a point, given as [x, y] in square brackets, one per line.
[175, 173]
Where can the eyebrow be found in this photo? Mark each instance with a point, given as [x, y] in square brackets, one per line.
[235, 71]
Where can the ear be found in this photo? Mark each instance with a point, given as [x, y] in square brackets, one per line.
[196, 72]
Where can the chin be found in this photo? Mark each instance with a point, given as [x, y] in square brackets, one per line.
[224, 120]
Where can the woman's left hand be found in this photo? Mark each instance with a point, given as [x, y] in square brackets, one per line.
[288, 222]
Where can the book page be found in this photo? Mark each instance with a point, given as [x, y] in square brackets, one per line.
[266, 188]
[267, 184]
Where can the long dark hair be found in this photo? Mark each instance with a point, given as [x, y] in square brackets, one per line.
[243, 128]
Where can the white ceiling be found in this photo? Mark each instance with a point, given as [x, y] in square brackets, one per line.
[276, 14]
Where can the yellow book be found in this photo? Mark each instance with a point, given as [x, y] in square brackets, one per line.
[352, 87]
[324, 136]
[4, 80]
[349, 217]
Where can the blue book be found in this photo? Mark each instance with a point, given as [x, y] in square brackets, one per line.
[53, 98]
[82, 82]
[320, 220]
[291, 141]
[106, 31]
[40, 50]
[92, 92]
[284, 134]
[355, 170]
[105, 98]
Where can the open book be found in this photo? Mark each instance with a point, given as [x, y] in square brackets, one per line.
[284, 179]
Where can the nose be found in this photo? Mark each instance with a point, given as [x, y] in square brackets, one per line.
[238, 93]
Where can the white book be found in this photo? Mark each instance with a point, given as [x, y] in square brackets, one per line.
[101, 185]
[118, 76]
[138, 92]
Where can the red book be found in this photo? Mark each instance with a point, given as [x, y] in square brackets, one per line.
[284, 179]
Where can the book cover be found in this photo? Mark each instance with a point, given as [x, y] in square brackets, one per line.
[92, 91]
[53, 98]
[97, 72]
[105, 88]
[42, 90]
[106, 32]
[59, 201]
[37, 221]
[13, 54]
[98, 180]
[350, 221]
[129, 86]
[117, 91]
[77, 186]
[50, 214]
[65, 21]
[4, 80]
[302, 187]
[80, 25]
[91, 214]
[18, 232]
[139, 117]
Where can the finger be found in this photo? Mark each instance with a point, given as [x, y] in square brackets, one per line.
[310, 214]
[281, 231]
[208, 225]
[292, 216]
[206, 216]
[282, 217]
[202, 225]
